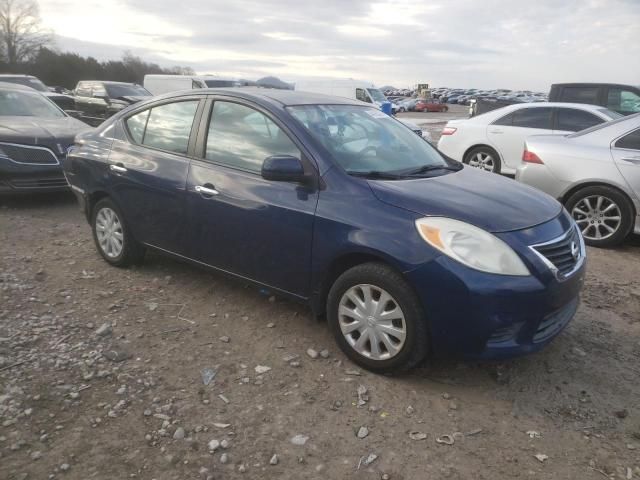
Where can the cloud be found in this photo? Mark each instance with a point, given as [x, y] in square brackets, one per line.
[489, 44]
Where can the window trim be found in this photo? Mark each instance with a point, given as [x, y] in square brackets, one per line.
[194, 126]
[308, 165]
[615, 140]
[556, 112]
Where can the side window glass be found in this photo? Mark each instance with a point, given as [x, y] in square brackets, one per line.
[505, 121]
[362, 95]
[242, 137]
[630, 141]
[624, 101]
[573, 120]
[580, 95]
[169, 126]
[99, 91]
[533, 118]
[83, 90]
[136, 125]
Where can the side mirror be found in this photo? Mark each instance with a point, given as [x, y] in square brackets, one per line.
[283, 168]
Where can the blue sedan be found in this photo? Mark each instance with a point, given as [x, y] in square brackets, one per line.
[333, 203]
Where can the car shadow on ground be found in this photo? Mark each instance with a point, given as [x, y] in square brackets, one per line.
[37, 200]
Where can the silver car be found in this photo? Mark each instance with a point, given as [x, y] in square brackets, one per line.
[595, 173]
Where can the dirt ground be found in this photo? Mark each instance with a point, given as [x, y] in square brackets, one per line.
[101, 377]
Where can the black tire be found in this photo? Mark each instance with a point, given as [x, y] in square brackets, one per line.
[445, 109]
[612, 195]
[402, 110]
[484, 151]
[132, 252]
[416, 344]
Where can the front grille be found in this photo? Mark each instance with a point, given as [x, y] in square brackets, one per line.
[57, 181]
[555, 322]
[563, 253]
[28, 154]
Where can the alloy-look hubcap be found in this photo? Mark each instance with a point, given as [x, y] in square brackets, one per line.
[483, 161]
[597, 216]
[372, 322]
[109, 232]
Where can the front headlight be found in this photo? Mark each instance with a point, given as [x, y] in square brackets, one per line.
[471, 246]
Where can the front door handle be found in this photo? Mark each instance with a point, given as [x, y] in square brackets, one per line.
[206, 190]
[118, 167]
[496, 131]
[634, 160]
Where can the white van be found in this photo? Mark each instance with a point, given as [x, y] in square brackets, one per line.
[158, 84]
[349, 88]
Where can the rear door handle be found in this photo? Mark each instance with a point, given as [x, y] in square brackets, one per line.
[118, 167]
[206, 190]
[634, 160]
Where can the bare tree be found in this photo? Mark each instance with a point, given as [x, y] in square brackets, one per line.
[21, 33]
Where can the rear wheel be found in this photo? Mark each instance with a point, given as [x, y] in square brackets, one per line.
[112, 237]
[603, 214]
[377, 319]
[483, 158]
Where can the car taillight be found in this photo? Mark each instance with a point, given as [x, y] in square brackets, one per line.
[530, 157]
[449, 130]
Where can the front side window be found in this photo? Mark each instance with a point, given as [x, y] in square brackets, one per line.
[243, 138]
[622, 100]
[361, 95]
[573, 120]
[533, 118]
[580, 95]
[169, 126]
[18, 103]
[377, 95]
[99, 91]
[364, 140]
[630, 141]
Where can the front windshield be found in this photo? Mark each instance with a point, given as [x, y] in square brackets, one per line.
[123, 90]
[222, 83]
[27, 104]
[27, 81]
[376, 95]
[364, 140]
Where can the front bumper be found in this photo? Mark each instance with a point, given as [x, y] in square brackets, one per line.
[478, 315]
[20, 178]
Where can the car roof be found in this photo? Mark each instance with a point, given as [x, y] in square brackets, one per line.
[15, 75]
[285, 98]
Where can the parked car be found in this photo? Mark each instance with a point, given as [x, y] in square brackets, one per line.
[494, 140]
[333, 203]
[34, 136]
[624, 99]
[595, 173]
[64, 101]
[408, 105]
[430, 106]
[96, 101]
[347, 88]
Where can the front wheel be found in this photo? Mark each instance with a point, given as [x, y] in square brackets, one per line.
[603, 214]
[377, 319]
[112, 237]
[483, 158]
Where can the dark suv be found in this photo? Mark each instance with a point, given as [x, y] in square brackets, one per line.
[624, 99]
[96, 101]
[64, 101]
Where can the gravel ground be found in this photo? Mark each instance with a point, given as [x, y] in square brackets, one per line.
[103, 372]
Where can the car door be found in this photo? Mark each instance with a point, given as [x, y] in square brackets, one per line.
[568, 120]
[508, 133]
[626, 153]
[238, 221]
[148, 167]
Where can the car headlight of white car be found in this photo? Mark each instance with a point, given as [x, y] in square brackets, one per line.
[471, 246]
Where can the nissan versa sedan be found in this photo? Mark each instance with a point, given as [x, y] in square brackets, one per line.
[595, 173]
[333, 203]
[34, 136]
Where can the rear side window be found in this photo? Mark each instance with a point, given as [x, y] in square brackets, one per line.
[625, 101]
[242, 137]
[630, 141]
[136, 125]
[361, 95]
[533, 118]
[574, 120]
[580, 95]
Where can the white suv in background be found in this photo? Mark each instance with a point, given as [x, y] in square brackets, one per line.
[494, 141]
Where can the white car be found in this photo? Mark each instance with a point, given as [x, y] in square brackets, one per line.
[494, 141]
[595, 173]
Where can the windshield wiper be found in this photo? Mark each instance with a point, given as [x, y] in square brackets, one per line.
[429, 168]
[376, 175]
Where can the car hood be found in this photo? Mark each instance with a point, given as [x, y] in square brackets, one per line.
[486, 200]
[49, 132]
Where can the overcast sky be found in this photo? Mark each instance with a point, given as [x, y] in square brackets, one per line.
[468, 43]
